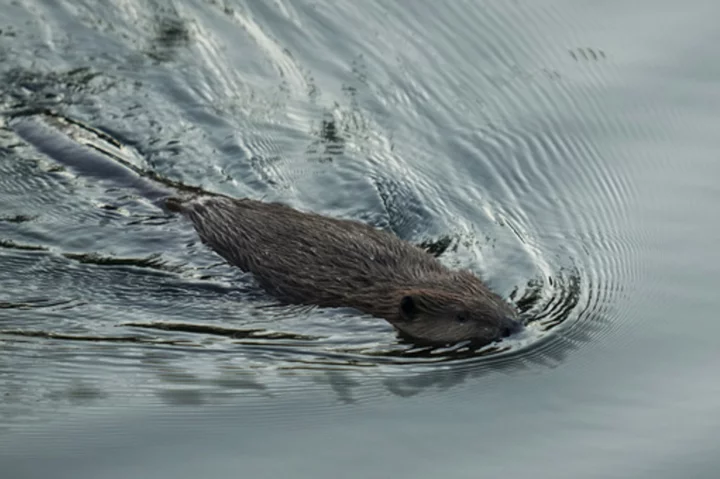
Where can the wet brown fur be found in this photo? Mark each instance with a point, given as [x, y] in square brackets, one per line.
[307, 258]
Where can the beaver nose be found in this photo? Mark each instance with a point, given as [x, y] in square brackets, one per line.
[511, 326]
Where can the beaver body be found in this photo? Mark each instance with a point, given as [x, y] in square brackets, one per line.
[307, 258]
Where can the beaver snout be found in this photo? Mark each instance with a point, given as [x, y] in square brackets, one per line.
[511, 326]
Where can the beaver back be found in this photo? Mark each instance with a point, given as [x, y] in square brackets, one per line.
[304, 257]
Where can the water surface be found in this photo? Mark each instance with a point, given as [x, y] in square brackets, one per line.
[564, 151]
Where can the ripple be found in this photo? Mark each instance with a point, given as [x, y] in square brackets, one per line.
[37, 303]
[548, 303]
[490, 146]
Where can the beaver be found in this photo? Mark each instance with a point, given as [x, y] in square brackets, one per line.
[306, 258]
[302, 257]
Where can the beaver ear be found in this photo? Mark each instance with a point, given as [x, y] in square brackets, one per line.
[408, 307]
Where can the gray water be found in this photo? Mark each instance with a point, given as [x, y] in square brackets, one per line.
[564, 151]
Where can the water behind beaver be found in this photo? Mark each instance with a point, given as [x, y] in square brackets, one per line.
[564, 152]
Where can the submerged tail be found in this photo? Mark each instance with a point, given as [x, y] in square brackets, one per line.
[96, 154]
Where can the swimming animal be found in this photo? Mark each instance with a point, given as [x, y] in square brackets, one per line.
[296, 256]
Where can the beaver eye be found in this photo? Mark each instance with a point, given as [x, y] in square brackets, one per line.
[461, 318]
[408, 307]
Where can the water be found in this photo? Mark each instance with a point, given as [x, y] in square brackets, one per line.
[564, 151]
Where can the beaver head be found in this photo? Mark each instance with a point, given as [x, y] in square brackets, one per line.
[443, 317]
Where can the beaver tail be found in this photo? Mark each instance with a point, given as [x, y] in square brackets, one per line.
[94, 154]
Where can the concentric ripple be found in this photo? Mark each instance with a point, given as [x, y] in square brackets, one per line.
[546, 304]
[468, 131]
